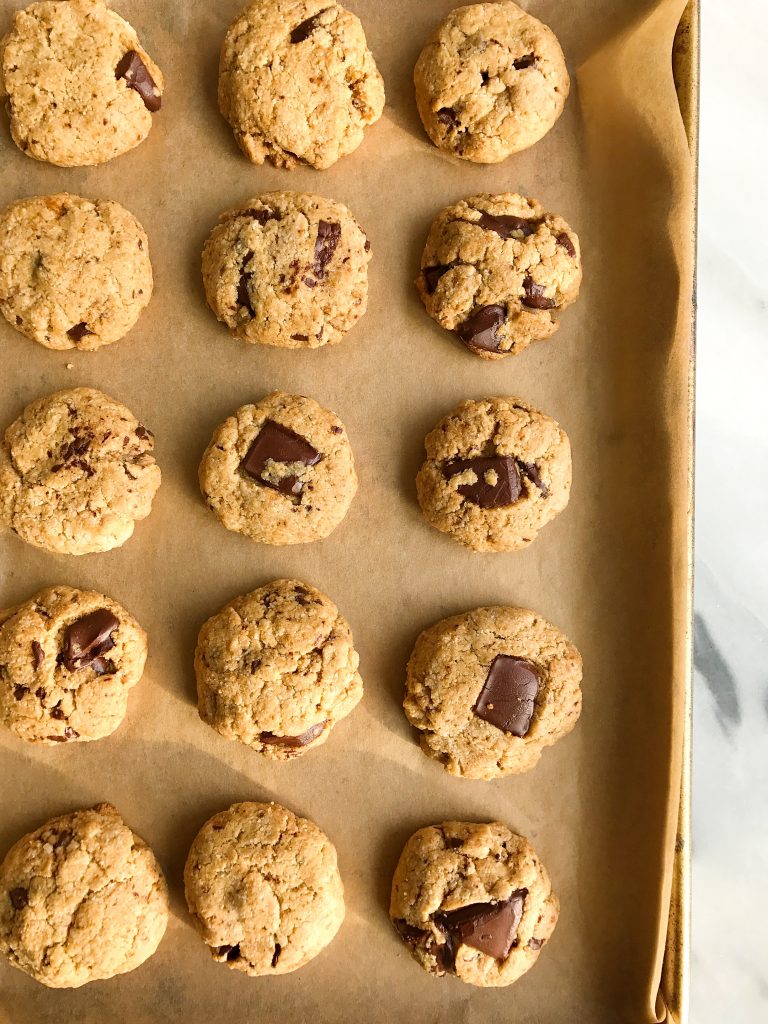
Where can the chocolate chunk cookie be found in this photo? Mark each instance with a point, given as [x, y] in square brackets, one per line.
[490, 689]
[474, 901]
[81, 899]
[490, 81]
[80, 89]
[497, 270]
[68, 659]
[288, 269]
[297, 82]
[496, 472]
[74, 273]
[277, 669]
[263, 888]
[280, 471]
[76, 473]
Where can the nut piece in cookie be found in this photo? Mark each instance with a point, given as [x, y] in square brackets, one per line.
[280, 471]
[489, 689]
[263, 888]
[277, 669]
[78, 85]
[77, 471]
[490, 82]
[496, 472]
[473, 901]
[81, 899]
[297, 82]
[497, 270]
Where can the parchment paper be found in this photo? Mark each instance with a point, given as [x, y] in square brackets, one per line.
[612, 571]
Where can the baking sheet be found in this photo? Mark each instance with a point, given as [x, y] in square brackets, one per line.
[612, 571]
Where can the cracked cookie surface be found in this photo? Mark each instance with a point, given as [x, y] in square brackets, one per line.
[76, 473]
[297, 82]
[490, 689]
[496, 472]
[497, 269]
[277, 669]
[490, 82]
[280, 471]
[263, 888]
[68, 659]
[473, 900]
[80, 87]
[74, 273]
[288, 269]
[81, 899]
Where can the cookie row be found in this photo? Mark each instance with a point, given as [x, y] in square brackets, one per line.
[297, 82]
[277, 669]
[83, 898]
[287, 269]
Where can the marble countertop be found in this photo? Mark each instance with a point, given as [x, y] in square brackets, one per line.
[730, 824]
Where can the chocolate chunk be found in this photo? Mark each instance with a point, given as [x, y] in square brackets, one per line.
[79, 331]
[87, 639]
[142, 432]
[410, 934]
[528, 61]
[564, 240]
[448, 117]
[230, 952]
[261, 216]
[489, 927]
[328, 238]
[103, 666]
[306, 28]
[535, 297]
[133, 69]
[293, 741]
[531, 470]
[300, 337]
[506, 489]
[445, 954]
[479, 331]
[243, 294]
[19, 898]
[535, 943]
[276, 443]
[276, 954]
[508, 694]
[69, 734]
[77, 447]
[507, 225]
[37, 655]
[432, 275]
[19, 692]
[57, 713]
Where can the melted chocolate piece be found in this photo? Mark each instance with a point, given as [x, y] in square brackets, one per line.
[37, 655]
[508, 696]
[507, 225]
[133, 69]
[410, 934]
[528, 61]
[564, 240]
[505, 491]
[479, 331]
[304, 740]
[489, 927]
[531, 470]
[277, 443]
[19, 898]
[79, 331]
[535, 297]
[306, 28]
[432, 275]
[103, 666]
[328, 237]
[87, 639]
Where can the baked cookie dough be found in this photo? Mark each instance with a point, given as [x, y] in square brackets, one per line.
[288, 269]
[490, 81]
[81, 899]
[80, 88]
[496, 472]
[297, 82]
[74, 273]
[280, 471]
[263, 888]
[474, 901]
[497, 270]
[490, 689]
[68, 659]
[76, 473]
[277, 669]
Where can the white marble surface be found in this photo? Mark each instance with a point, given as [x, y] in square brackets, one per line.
[730, 834]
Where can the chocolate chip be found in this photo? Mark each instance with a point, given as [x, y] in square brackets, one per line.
[535, 943]
[300, 337]
[448, 117]
[336, 430]
[479, 331]
[19, 692]
[528, 61]
[328, 238]
[133, 69]
[507, 225]
[367, 246]
[276, 954]
[77, 447]
[69, 734]
[535, 297]
[37, 655]
[293, 741]
[564, 240]
[87, 639]
[484, 493]
[306, 28]
[79, 331]
[531, 470]
[230, 952]
[276, 443]
[508, 696]
[432, 276]
[261, 216]
[142, 432]
[40, 693]
[489, 927]
[57, 713]
[19, 898]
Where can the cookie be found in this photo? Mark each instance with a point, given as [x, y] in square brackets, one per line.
[288, 269]
[490, 689]
[74, 273]
[490, 82]
[80, 89]
[497, 270]
[297, 82]
[263, 888]
[280, 471]
[474, 901]
[68, 659]
[496, 472]
[76, 473]
[277, 669]
[81, 899]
